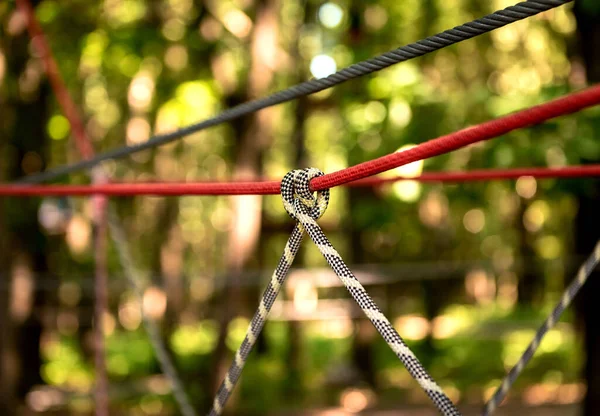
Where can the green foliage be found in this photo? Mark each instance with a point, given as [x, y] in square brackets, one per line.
[138, 68]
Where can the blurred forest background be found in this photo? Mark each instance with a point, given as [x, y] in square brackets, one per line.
[465, 272]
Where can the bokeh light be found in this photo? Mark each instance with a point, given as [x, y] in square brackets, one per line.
[331, 15]
[322, 66]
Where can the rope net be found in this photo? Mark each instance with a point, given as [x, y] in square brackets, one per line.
[297, 189]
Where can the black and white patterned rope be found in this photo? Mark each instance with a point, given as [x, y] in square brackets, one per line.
[303, 206]
[317, 208]
[134, 278]
[258, 321]
[569, 294]
[449, 37]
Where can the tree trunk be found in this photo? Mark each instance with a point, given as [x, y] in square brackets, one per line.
[6, 350]
[529, 286]
[364, 334]
[253, 135]
[27, 142]
[587, 226]
[29, 242]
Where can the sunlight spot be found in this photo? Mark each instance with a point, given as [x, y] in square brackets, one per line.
[375, 17]
[58, 127]
[155, 302]
[52, 216]
[211, 29]
[549, 247]
[570, 393]
[412, 327]
[43, 399]
[375, 112]
[306, 297]
[409, 170]
[539, 394]
[176, 57]
[191, 340]
[553, 340]
[480, 286]
[237, 22]
[337, 328]
[400, 112]
[138, 130]
[330, 14]
[355, 400]
[474, 221]
[141, 91]
[78, 235]
[2, 66]
[322, 66]
[130, 315]
[446, 326]
[201, 289]
[555, 157]
[526, 186]
[174, 29]
[536, 215]
[406, 190]
[433, 210]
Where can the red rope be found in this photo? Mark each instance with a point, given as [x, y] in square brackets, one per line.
[525, 118]
[272, 187]
[84, 144]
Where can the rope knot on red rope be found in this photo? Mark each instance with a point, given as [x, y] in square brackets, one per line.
[297, 197]
[305, 207]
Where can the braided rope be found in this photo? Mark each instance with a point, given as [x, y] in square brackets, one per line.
[569, 294]
[306, 208]
[295, 192]
[318, 206]
[449, 37]
[258, 321]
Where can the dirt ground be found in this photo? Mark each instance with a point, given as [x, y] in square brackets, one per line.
[513, 410]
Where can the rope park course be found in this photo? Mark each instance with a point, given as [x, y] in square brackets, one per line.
[298, 189]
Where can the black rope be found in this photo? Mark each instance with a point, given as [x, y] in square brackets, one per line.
[449, 37]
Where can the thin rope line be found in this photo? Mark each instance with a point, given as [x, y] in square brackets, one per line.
[271, 187]
[449, 37]
[133, 276]
[569, 294]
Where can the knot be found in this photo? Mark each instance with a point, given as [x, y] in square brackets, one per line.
[298, 199]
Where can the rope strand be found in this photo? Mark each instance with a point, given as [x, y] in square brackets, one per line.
[567, 104]
[272, 187]
[449, 37]
[258, 321]
[134, 277]
[569, 294]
